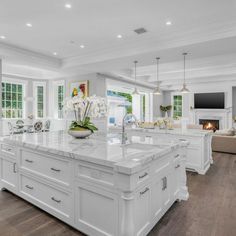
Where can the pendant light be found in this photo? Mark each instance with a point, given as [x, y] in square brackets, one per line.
[157, 90]
[184, 88]
[135, 92]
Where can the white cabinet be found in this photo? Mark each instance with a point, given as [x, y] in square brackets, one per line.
[96, 199]
[50, 198]
[96, 210]
[9, 174]
[142, 201]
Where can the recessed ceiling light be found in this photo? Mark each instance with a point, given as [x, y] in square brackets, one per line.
[119, 36]
[68, 6]
[168, 22]
[55, 53]
[2, 37]
[28, 24]
[82, 46]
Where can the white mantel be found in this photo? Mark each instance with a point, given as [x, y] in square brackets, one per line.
[223, 115]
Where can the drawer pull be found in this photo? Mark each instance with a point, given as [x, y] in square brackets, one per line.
[9, 149]
[148, 136]
[57, 170]
[144, 191]
[176, 156]
[27, 160]
[29, 187]
[164, 183]
[55, 200]
[177, 166]
[14, 167]
[144, 175]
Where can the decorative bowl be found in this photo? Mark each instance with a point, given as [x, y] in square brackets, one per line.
[80, 133]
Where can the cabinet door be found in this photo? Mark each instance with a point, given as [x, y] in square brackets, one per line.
[166, 188]
[96, 210]
[8, 174]
[176, 178]
[142, 209]
[156, 199]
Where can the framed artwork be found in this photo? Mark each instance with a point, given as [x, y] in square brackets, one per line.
[79, 88]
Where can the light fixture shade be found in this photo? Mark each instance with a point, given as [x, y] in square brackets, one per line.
[184, 89]
[135, 92]
[157, 91]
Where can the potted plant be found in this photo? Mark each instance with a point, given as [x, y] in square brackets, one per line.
[84, 108]
[166, 109]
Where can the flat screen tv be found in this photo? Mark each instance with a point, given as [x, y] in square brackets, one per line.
[209, 100]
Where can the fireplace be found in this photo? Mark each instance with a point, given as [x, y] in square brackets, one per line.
[210, 124]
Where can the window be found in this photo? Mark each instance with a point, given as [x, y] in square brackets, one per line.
[60, 98]
[39, 94]
[12, 100]
[177, 111]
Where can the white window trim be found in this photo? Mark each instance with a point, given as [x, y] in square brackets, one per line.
[24, 86]
[35, 85]
[55, 97]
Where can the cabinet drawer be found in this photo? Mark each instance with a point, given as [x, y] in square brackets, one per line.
[142, 176]
[59, 202]
[95, 173]
[162, 165]
[55, 169]
[8, 150]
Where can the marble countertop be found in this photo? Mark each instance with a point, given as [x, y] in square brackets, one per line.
[104, 149]
[187, 132]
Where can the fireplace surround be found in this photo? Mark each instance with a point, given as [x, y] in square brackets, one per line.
[224, 116]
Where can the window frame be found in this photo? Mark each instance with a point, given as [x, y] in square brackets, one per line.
[24, 89]
[56, 85]
[35, 92]
[173, 104]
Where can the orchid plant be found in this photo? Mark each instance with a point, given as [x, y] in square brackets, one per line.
[85, 108]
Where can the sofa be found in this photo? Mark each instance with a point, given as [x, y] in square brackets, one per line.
[224, 141]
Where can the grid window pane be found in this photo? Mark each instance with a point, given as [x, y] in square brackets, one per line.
[60, 98]
[40, 101]
[177, 111]
[12, 95]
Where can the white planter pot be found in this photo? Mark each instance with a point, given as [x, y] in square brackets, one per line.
[80, 134]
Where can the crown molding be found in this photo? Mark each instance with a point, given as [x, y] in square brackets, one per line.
[16, 55]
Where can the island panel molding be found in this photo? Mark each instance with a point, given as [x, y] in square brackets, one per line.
[96, 185]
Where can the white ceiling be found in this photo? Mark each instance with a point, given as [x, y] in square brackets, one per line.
[205, 28]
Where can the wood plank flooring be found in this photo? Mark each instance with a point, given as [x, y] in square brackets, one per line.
[210, 210]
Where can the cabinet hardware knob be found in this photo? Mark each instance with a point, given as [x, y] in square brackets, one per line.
[14, 167]
[177, 166]
[144, 175]
[57, 170]
[27, 160]
[9, 149]
[176, 155]
[55, 200]
[144, 191]
[29, 187]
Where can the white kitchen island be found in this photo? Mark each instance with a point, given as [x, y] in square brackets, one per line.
[96, 185]
[199, 151]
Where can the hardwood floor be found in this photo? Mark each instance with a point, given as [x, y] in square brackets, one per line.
[210, 210]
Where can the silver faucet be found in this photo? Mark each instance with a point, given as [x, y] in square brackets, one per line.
[124, 137]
